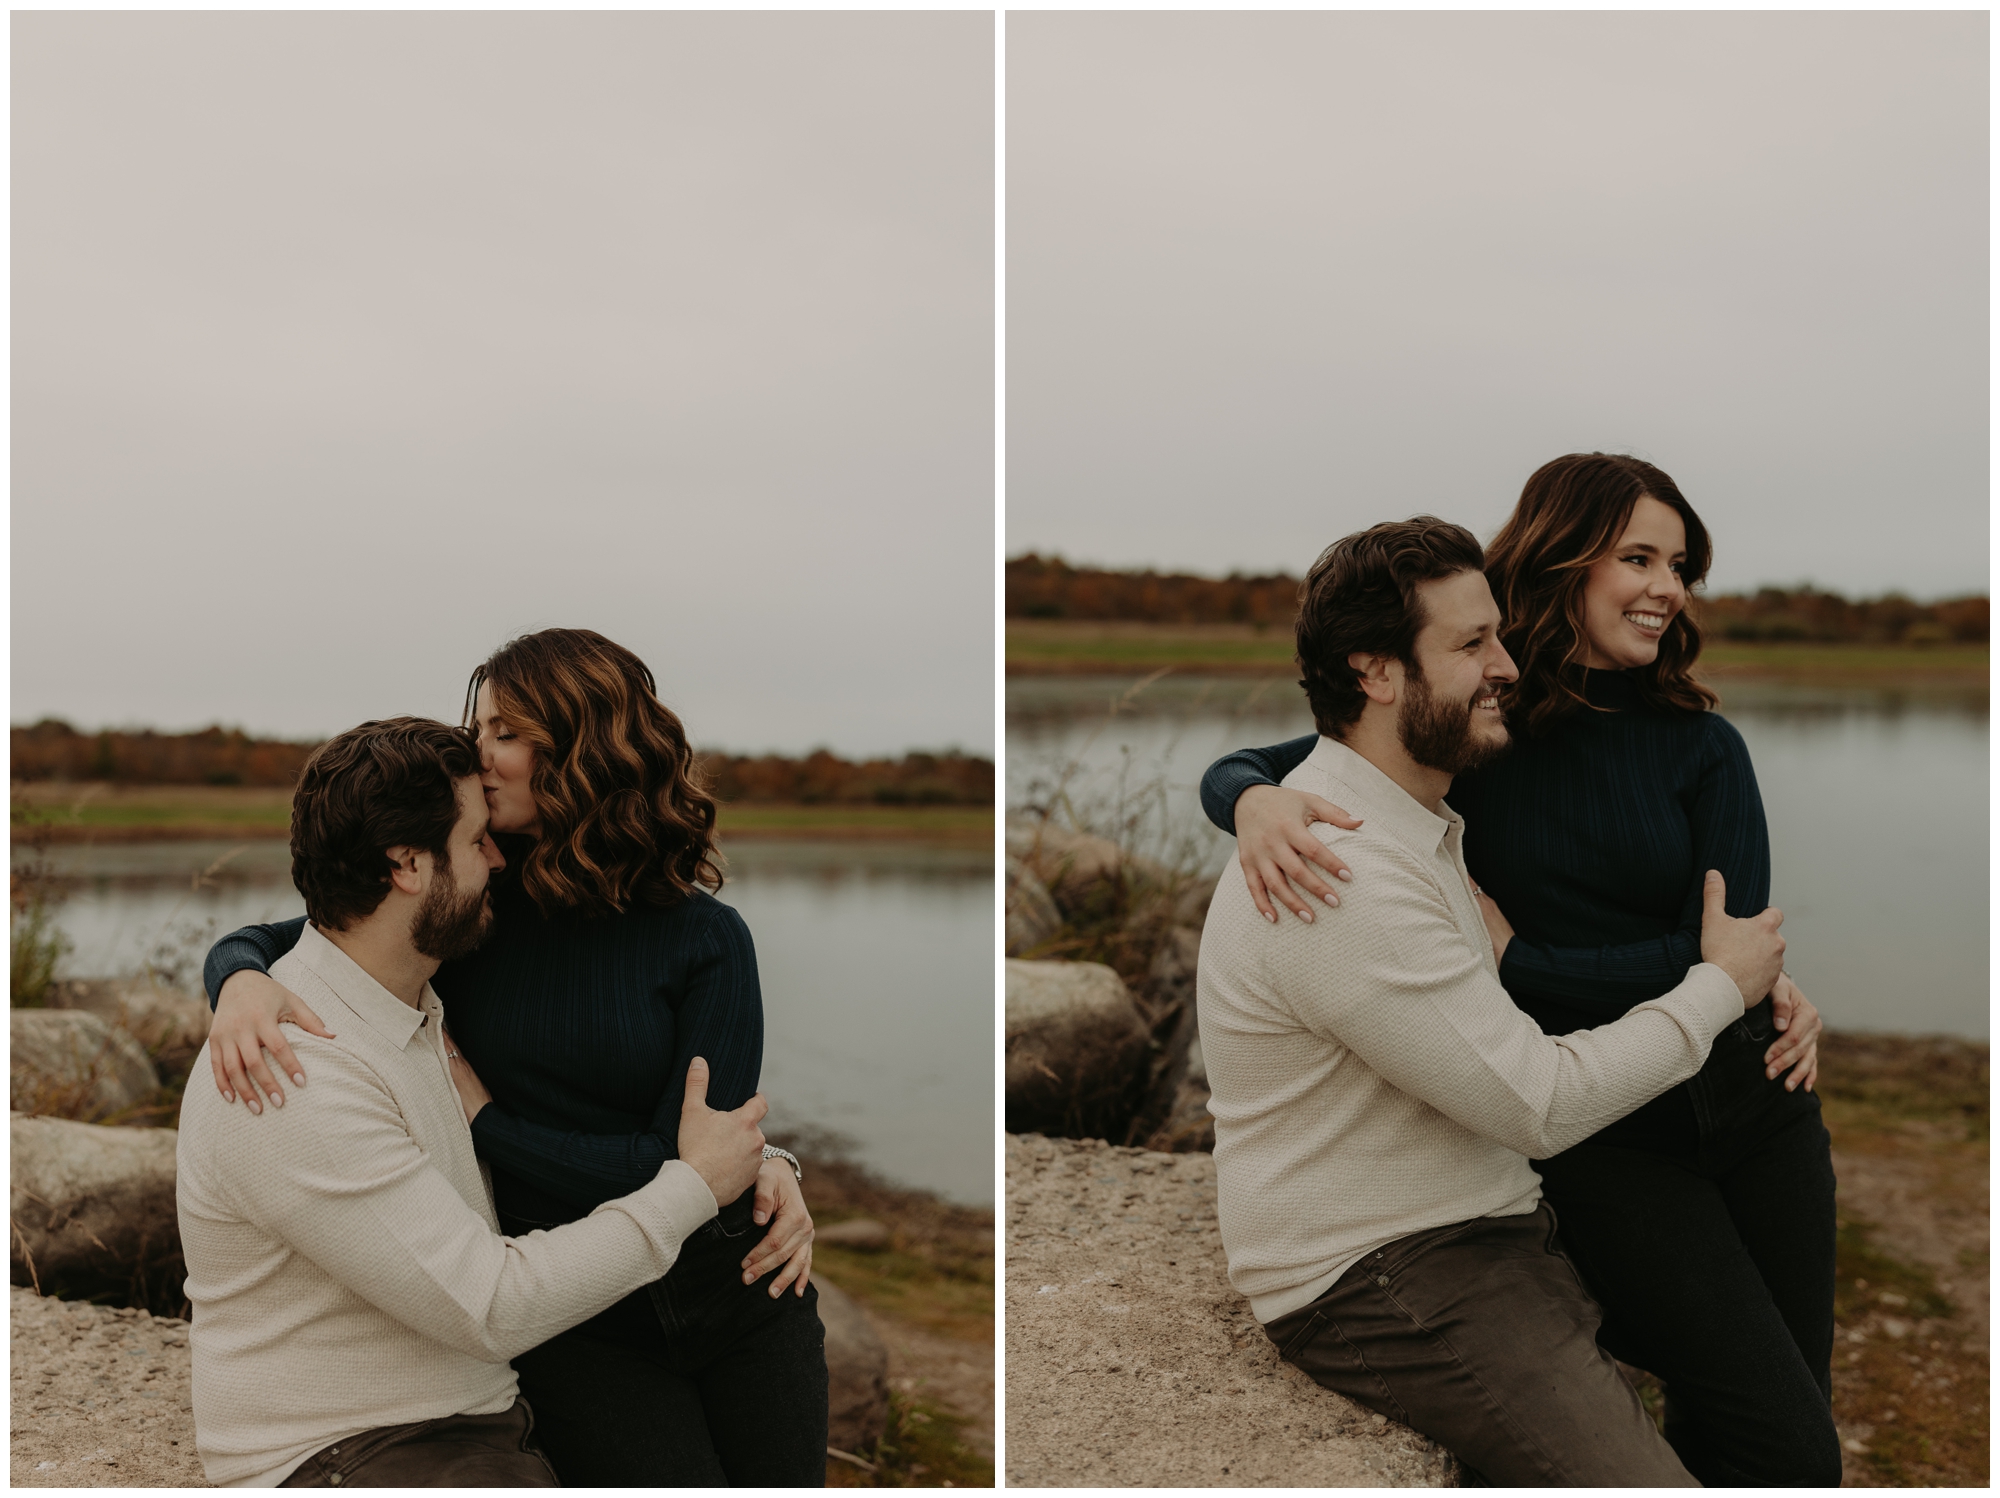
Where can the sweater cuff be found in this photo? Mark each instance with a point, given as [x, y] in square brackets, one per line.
[671, 1206]
[1716, 994]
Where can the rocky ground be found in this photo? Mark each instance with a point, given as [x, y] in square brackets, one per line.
[1131, 1362]
[945, 1371]
[1912, 1307]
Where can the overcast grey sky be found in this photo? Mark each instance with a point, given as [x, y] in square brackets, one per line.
[347, 346]
[1273, 277]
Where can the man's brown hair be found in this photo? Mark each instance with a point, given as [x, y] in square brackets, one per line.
[1361, 595]
[1571, 513]
[625, 814]
[386, 784]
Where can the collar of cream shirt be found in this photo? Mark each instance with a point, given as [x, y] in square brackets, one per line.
[1380, 802]
[380, 1009]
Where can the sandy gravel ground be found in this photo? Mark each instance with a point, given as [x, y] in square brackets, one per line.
[100, 1398]
[1130, 1360]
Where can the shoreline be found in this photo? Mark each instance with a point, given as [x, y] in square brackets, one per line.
[98, 812]
[1043, 647]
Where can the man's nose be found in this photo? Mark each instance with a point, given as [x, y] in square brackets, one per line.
[1500, 665]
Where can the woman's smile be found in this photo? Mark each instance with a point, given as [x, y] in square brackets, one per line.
[1635, 589]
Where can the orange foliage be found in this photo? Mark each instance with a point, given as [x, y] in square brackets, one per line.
[52, 750]
[1049, 588]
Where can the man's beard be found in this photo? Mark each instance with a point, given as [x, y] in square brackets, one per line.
[1437, 733]
[449, 925]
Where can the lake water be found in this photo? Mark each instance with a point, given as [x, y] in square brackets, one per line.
[876, 962]
[1876, 802]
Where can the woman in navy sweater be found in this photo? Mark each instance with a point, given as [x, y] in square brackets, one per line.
[610, 967]
[1703, 1222]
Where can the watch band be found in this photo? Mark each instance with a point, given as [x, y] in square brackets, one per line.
[772, 1152]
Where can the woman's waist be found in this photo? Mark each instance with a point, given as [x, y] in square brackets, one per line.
[1730, 1097]
[524, 1207]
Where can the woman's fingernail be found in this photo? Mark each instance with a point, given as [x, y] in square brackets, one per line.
[1306, 915]
[1272, 917]
[229, 1097]
[277, 1100]
[252, 1106]
[299, 1077]
[749, 1278]
[1347, 876]
[1333, 899]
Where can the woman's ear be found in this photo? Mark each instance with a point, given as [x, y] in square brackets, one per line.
[1375, 679]
[405, 876]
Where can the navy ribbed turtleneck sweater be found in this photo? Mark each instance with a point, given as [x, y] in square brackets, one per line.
[1593, 838]
[582, 1029]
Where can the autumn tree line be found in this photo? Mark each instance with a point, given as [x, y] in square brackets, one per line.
[53, 750]
[1050, 588]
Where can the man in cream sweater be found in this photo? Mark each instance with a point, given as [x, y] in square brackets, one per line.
[354, 1303]
[1377, 1095]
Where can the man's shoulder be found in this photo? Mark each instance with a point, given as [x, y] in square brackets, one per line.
[223, 1147]
[1324, 773]
[341, 1079]
[1387, 881]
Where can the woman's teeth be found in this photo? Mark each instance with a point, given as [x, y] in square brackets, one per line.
[1650, 622]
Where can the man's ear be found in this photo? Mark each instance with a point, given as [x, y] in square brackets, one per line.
[405, 876]
[1375, 678]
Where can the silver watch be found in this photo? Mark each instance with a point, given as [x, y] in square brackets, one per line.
[772, 1152]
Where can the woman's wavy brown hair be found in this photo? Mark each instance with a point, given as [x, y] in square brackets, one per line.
[1571, 514]
[626, 818]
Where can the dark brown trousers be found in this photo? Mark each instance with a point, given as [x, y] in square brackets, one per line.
[458, 1451]
[1481, 1336]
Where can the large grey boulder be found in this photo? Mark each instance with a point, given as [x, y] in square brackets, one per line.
[1068, 862]
[857, 1372]
[1032, 917]
[1077, 1048]
[91, 1204]
[168, 1024]
[69, 1063]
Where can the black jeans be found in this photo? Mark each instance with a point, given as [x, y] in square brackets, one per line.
[698, 1380]
[1703, 1223]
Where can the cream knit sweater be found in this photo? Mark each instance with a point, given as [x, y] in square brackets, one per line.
[1371, 1077]
[344, 1260]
